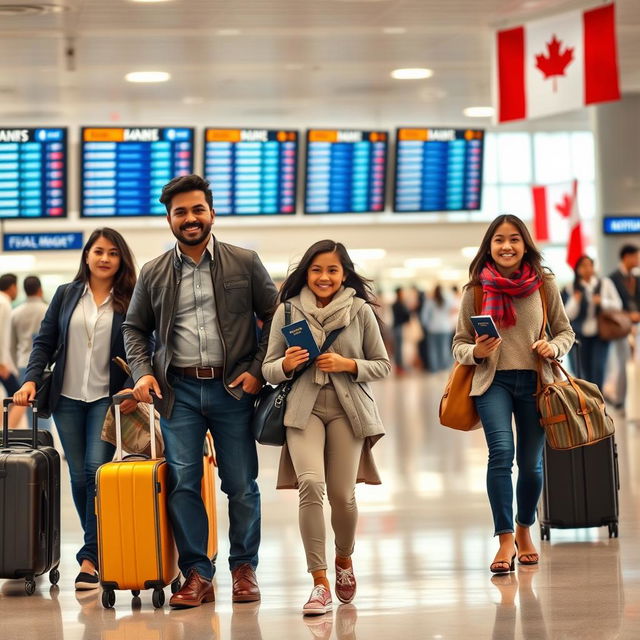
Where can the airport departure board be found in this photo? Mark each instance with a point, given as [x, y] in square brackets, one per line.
[123, 169]
[33, 173]
[438, 169]
[345, 171]
[251, 171]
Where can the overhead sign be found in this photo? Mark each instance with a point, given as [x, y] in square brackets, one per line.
[613, 225]
[43, 241]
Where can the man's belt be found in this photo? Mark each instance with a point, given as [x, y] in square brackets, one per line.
[201, 373]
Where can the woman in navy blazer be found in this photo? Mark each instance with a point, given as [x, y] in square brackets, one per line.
[82, 330]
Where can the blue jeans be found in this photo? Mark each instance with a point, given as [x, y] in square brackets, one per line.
[203, 405]
[439, 351]
[79, 425]
[588, 359]
[512, 393]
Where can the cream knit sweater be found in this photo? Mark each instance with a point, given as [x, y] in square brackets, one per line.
[515, 351]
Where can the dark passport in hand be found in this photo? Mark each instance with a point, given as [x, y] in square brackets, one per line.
[298, 334]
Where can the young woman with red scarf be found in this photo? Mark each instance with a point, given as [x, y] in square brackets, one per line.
[509, 269]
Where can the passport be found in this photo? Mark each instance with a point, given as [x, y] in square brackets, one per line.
[298, 334]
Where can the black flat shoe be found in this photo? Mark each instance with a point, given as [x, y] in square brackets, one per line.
[86, 581]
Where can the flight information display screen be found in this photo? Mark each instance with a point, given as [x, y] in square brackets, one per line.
[438, 169]
[33, 173]
[345, 171]
[123, 169]
[251, 171]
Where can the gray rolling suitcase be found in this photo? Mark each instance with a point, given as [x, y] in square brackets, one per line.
[29, 507]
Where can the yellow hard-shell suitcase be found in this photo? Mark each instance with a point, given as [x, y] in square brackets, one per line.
[136, 547]
[209, 496]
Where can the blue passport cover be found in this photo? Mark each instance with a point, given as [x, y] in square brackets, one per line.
[484, 325]
[298, 334]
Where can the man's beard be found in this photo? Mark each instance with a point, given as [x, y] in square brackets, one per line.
[192, 242]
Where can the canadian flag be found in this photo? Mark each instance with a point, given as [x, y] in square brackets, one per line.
[557, 64]
[556, 217]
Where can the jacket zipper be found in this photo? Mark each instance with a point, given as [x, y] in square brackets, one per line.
[224, 345]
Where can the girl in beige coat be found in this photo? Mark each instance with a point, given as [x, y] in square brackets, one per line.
[331, 418]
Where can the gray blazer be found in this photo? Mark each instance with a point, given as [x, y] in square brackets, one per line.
[362, 342]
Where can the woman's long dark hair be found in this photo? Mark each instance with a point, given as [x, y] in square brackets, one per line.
[532, 254]
[577, 285]
[438, 296]
[297, 277]
[125, 278]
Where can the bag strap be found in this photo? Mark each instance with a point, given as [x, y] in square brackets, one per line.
[543, 330]
[477, 299]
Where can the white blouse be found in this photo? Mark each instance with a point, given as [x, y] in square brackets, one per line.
[86, 371]
[610, 301]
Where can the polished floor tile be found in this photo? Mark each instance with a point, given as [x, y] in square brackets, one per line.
[422, 555]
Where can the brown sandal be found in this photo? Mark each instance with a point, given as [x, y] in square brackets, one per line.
[528, 555]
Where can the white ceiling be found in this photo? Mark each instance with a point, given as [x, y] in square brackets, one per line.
[295, 63]
[290, 61]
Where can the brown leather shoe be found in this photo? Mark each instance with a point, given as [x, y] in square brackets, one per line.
[194, 592]
[245, 584]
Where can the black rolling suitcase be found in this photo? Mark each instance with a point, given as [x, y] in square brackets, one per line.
[29, 508]
[45, 438]
[580, 486]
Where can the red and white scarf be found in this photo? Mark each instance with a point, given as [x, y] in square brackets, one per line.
[498, 292]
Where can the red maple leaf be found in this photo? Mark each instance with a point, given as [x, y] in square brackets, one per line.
[556, 62]
[564, 208]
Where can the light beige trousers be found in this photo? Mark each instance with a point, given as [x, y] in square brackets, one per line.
[326, 452]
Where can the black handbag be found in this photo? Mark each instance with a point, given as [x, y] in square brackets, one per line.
[267, 423]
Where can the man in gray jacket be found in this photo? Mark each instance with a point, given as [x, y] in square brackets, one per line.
[201, 300]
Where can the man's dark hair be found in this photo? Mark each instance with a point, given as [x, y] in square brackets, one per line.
[7, 280]
[184, 184]
[627, 250]
[32, 285]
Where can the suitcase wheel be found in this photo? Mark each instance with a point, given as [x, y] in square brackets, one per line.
[54, 576]
[545, 532]
[29, 586]
[157, 598]
[135, 592]
[613, 529]
[175, 586]
[108, 598]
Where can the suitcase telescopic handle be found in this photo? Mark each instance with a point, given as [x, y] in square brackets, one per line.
[6, 403]
[117, 400]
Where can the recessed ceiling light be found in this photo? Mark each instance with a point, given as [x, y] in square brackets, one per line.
[147, 76]
[469, 252]
[228, 32]
[416, 73]
[479, 112]
[394, 31]
[193, 100]
[367, 254]
[422, 263]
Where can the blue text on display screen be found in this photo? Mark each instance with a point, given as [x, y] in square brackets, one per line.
[251, 171]
[123, 169]
[438, 169]
[33, 173]
[345, 171]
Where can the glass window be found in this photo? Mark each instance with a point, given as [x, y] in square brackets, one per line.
[583, 155]
[516, 199]
[490, 207]
[514, 157]
[491, 158]
[552, 153]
